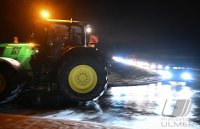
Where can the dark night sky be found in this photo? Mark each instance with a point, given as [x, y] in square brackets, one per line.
[157, 30]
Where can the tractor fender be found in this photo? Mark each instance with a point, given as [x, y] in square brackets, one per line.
[15, 66]
[84, 51]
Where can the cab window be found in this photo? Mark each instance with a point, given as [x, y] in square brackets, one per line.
[58, 35]
[76, 35]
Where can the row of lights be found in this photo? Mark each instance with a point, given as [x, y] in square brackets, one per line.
[144, 65]
[164, 71]
[141, 64]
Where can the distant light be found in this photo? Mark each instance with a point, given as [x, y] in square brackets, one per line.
[186, 76]
[175, 67]
[134, 62]
[152, 66]
[44, 14]
[146, 64]
[160, 67]
[174, 83]
[122, 60]
[167, 67]
[140, 63]
[118, 59]
[166, 74]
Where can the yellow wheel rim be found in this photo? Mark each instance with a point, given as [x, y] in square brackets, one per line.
[2, 83]
[82, 78]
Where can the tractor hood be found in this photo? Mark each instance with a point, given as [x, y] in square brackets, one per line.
[21, 52]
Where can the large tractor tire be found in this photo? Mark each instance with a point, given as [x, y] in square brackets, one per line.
[82, 78]
[9, 86]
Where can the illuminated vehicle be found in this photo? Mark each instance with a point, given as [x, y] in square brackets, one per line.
[60, 55]
[177, 75]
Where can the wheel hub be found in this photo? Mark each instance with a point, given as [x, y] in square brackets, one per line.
[2, 83]
[82, 78]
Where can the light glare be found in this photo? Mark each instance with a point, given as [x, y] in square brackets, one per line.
[44, 14]
[166, 75]
[89, 30]
[186, 76]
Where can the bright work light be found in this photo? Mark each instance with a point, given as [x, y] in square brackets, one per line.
[44, 14]
[88, 29]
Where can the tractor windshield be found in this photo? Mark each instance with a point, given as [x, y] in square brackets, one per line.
[60, 34]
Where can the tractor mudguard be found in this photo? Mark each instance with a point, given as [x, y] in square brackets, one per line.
[15, 66]
[84, 52]
[11, 79]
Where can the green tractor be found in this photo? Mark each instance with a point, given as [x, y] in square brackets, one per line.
[60, 55]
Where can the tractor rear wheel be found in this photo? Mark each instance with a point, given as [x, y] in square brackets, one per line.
[9, 87]
[83, 79]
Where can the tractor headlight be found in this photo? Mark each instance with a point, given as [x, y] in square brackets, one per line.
[186, 76]
[166, 75]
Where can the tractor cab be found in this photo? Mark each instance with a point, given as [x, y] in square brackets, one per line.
[55, 36]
